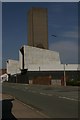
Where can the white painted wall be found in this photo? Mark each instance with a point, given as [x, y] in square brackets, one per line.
[36, 56]
[53, 67]
[71, 67]
[56, 82]
[13, 67]
[36, 59]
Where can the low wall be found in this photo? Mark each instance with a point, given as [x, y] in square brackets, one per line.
[45, 80]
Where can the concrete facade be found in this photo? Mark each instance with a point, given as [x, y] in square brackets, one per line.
[38, 28]
[13, 67]
[52, 67]
[36, 57]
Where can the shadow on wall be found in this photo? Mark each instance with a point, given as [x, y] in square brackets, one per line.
[6, 110]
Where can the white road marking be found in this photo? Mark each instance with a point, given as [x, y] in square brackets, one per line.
[43, 94]
[46, 94]
[68, 98]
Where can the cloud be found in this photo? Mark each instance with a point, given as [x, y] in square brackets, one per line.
[68, 51]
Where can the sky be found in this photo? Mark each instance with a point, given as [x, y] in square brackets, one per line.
[40, 0]
[62, 22]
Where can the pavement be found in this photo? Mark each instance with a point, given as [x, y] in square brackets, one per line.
[18, 109]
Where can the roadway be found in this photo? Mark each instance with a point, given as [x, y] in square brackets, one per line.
[14, 109]
[54, 102]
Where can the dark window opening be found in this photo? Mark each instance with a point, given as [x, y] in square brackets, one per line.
[22, 51]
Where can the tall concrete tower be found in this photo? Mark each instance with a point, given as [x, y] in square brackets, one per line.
[38, 28]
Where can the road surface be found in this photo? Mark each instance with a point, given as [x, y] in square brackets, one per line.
[54, 102]
[15, 109]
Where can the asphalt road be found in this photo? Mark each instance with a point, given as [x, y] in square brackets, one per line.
[13, 109]
[55, 102]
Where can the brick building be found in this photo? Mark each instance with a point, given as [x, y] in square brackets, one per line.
[38, 28]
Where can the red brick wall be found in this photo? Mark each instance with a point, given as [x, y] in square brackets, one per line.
[46, 80]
